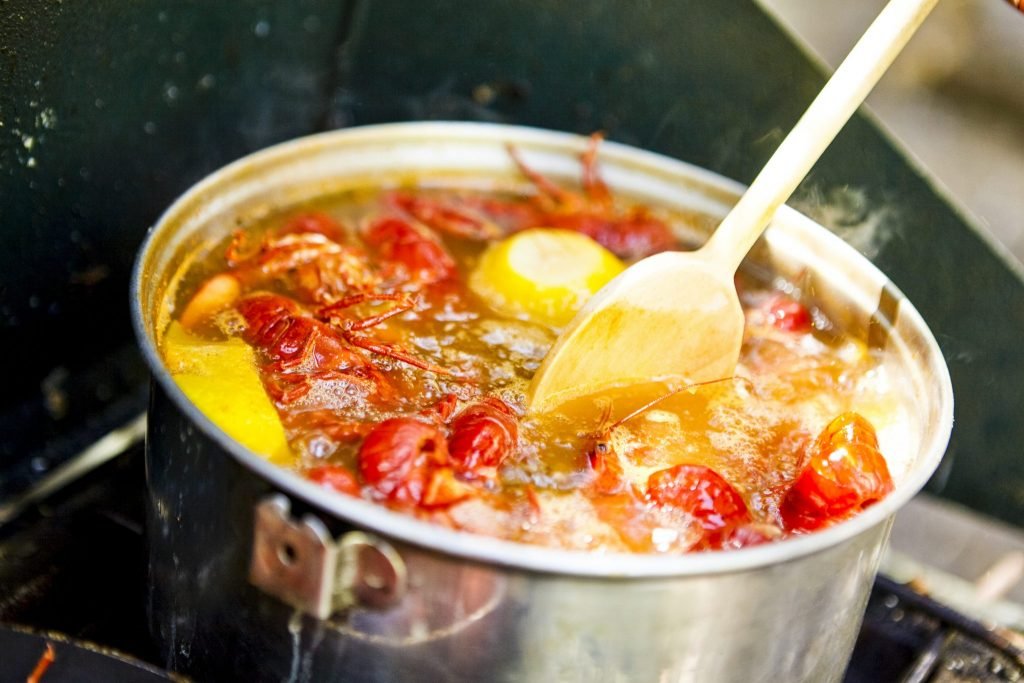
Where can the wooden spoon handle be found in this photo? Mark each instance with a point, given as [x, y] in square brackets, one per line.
[826, 116]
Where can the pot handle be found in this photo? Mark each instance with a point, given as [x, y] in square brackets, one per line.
[301, 564]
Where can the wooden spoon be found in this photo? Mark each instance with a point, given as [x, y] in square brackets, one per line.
[675, 317]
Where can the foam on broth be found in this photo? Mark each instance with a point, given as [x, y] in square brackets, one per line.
[753, 434]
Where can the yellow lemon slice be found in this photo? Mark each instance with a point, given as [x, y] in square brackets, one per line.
[185, 353]
[220, 378]
[543, 275]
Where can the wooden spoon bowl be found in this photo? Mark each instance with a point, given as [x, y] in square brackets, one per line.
[675, 317]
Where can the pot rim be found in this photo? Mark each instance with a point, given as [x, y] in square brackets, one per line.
[493, 551]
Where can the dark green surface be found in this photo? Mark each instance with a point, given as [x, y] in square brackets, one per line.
[713, 82]
[109, 110]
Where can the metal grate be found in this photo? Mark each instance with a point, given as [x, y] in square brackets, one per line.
[912, 638]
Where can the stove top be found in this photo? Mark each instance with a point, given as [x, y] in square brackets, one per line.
[75, 563]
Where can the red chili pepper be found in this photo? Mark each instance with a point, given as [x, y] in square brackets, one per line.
[397, 457]
[700, 491]
[335, 477]
[482, 436]
[845, 473]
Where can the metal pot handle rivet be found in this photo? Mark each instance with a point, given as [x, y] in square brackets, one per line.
[371, 571]
[301, 564]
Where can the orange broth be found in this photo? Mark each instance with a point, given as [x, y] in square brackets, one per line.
[396, 382]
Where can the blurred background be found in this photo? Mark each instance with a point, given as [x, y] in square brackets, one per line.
[954, 99]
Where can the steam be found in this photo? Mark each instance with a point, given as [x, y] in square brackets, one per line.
[847, 212]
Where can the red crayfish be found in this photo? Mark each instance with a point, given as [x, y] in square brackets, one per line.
[335, 477]
[845, 472]
[351, 329]
[697, 490]
[417, 461]
[297, 350]
[312, 258]
[702, 493]
[787, 314]
[601, 455]
[300, 348]
[310, 253]
[468, 218]
[412, 250]
[482, 436]
[631, 233]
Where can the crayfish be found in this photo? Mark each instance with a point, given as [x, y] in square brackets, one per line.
[310, 254]
[312, 258]
[630, 233]
[720, 516]
[422, 461]
[298, 349]
[844, 473]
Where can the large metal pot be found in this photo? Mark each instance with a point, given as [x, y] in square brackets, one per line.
[409, 601]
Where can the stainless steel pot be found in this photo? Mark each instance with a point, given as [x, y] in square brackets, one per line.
[355, 592]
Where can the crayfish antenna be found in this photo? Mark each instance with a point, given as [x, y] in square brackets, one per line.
[691, 388]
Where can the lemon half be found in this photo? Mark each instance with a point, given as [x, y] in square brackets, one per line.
[543, 275]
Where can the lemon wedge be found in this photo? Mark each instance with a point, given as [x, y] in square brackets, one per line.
[543, 275]
[220, 378]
